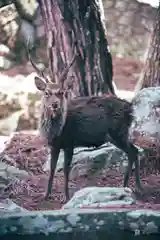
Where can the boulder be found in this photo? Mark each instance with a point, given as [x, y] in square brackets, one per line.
[8, 173]
[82, 223]
[100, 197]
[10, 23]
[19, 100]
[27, 32]
[5, 63]
[9, 124]
[27, 9]
[7, 206]
[11, 173]
[86, 162]
[145, 127]
[3, 141]
[9, 27]
[38, 23]
[5, 51]
[16, 28]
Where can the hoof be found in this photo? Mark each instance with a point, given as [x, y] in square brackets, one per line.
[65, 199]
[47, 196]
[139, 190]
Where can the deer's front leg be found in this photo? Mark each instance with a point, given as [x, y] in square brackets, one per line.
[53, 163]
[68, 154]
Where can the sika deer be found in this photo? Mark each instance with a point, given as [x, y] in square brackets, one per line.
[83, 122]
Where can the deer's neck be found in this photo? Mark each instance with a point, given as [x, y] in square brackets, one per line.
[51, 127]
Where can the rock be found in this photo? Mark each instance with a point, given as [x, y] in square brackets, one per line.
[16, 31]
[10, 124]
[3, 141]
[8, 11]
[17, 104]
[8, 105]
[87, 224]
[38, 23]
[8, 24]
[26, 9]
[26, 38]
[7, 206]
[11, 173]
[3, 181]
[88, 162]
[27, 32]
[6, 51]
[5, 63]
[100, 197]
[146, 125]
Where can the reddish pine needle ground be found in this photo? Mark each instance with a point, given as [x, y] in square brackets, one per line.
[28, 152]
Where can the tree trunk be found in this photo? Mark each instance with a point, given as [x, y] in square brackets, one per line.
[78, 22]
[151, 73]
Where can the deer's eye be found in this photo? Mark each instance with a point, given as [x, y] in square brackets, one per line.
[59, 93]
[47, 94]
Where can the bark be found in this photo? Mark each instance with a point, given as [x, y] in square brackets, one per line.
[78, 22]
[151, 73]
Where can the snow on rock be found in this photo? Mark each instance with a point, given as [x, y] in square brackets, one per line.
[100, 197]
[146, 122]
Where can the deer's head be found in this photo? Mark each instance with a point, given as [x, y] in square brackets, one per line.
[55, 98]
[55, 95]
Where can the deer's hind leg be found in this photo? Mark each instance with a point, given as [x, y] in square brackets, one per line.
[132, 152]
[53, 163]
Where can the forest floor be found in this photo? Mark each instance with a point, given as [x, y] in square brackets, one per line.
[30, 154]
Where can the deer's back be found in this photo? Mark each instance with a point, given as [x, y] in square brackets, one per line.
[90, 120]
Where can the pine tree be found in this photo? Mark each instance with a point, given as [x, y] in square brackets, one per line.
[79, 23]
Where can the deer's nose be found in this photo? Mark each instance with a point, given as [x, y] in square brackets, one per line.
[55, 105]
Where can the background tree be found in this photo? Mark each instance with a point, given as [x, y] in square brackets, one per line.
[151, 73]
[79, 22]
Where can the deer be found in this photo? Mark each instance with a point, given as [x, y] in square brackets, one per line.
[88, 121]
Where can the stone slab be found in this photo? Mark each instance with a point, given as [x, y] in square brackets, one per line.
[87, 223]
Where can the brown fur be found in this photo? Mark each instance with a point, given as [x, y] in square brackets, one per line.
[84, 122]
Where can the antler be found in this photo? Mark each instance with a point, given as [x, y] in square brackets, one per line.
[67, 68]
[39, 72]
[64, 73]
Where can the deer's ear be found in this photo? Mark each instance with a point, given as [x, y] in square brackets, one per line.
[40, 84]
